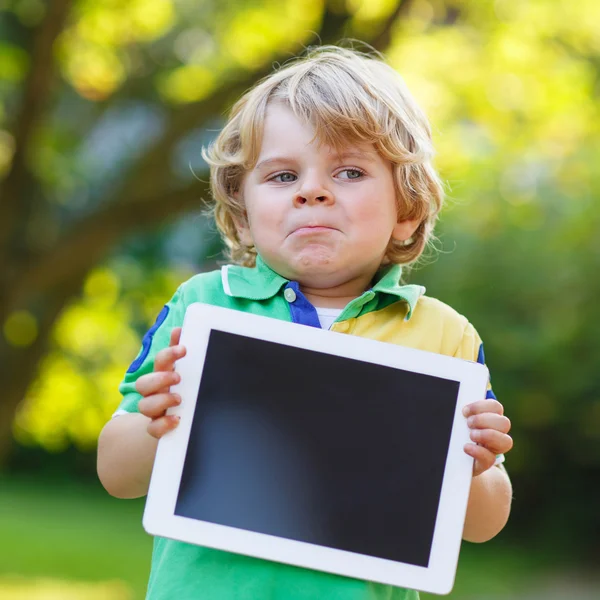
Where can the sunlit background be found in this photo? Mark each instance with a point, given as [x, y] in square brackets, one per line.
[104, 107]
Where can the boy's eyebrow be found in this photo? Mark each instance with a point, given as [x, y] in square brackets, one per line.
[274, 159]
[366, 155]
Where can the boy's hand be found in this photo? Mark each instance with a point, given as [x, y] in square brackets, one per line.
[489, 430]
[155, 388]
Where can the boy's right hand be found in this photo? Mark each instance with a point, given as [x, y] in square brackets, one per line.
[154, 387]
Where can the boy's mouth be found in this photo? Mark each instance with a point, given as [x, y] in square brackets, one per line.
[312, 229]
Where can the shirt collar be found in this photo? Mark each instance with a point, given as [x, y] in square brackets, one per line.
[389, 283]
[258, 283]
[261, 283]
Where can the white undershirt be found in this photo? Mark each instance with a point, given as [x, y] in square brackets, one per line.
[327, 316]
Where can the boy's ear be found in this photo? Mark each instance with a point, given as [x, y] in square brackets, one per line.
[403, 230]
[243, 232]
[242, 228]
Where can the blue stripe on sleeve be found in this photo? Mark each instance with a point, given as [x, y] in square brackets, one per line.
[481, 360]
[481, 355]
[147, 341]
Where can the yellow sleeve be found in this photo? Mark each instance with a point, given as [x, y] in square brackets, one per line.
[471, 348]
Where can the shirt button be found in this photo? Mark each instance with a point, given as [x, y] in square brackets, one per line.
[289, 294]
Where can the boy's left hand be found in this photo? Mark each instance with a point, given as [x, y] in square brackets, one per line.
[489, 432]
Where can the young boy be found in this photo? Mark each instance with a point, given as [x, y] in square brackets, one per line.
[324, 187]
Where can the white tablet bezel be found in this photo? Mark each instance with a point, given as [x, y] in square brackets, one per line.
[159, 515]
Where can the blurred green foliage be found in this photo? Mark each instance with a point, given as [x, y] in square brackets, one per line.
[94, 338]
[512, 91]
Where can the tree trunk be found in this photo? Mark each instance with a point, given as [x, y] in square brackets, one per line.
[56, 277]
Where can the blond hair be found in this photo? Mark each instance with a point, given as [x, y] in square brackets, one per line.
[348, 97]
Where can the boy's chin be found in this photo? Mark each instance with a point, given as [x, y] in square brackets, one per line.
[314, 264]
[322, 275]
[317, 268]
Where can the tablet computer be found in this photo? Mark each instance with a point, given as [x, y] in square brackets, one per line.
[317, 449]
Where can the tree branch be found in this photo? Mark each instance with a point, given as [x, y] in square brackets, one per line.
[90, 239]
[36, 90]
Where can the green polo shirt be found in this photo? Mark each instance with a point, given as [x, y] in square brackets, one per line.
[389, 311]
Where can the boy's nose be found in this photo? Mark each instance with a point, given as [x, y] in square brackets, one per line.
[313, 195]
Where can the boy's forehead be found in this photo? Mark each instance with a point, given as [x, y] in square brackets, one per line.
[284, 131]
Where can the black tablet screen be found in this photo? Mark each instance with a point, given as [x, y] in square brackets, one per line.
[314, 447]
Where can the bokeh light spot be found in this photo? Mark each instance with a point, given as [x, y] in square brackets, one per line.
[20, 329]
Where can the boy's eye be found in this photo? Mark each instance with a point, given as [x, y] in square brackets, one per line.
[284, 178]
[351, 174]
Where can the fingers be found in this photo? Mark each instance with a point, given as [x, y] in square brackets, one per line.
[494, 441]
[489, 420]
[165, 358]
[155, 405]
[484, 459]
[481, 406]
[175, 336]
[488, 426]
[157, 382]
[155, 387]
[158, 427]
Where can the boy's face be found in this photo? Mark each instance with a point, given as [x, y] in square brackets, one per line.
[315, 216]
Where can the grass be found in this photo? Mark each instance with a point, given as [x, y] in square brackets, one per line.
[66, 535]
[72, 532]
